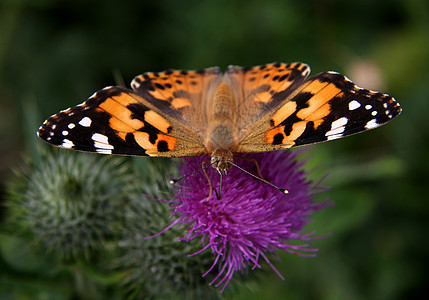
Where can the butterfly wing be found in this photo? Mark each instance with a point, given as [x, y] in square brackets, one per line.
[327, 106]
[181, 94]
[152, 120]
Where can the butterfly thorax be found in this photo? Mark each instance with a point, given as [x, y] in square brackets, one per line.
[221, 139]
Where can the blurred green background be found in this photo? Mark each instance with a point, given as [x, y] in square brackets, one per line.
[54, 54]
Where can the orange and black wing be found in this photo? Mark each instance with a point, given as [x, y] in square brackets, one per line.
[116, 120]
[293, 111]
[162, 116]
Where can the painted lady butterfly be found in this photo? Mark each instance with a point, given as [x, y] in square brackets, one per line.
[189, 113]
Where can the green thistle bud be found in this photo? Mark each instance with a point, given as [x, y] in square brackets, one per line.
[73, 202]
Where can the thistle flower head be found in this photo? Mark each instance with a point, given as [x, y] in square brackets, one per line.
[251, 218]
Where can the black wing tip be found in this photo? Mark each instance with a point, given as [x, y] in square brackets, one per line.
[43, 131]
[47, 135]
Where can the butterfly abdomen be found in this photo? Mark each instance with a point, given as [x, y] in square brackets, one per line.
[221, 139]
[220, 110]
[222, 103]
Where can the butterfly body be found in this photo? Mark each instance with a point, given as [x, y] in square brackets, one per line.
[221, 136]
[188, 113]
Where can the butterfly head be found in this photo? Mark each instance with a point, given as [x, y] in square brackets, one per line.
[221, 160]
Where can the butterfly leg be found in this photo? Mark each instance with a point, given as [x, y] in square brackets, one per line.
[208, 178]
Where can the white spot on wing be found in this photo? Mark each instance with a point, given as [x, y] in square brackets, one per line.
[335, 131]
[368, 106]
[340, 122]
[85, 122]
[101, 141]
[374, 113]
[71, 126]
[97, 137]
[334, 137]
[104, 151]
[337, 127]
[65, 132]
[371, 124]
[347, 79]
[92, 96]
[67, 144]
[353, 105]
[102, 146]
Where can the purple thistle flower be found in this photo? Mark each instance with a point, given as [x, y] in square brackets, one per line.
[252, 218]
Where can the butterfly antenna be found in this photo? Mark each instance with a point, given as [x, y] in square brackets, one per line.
[285, 191]
[181, 186]
[176, 180]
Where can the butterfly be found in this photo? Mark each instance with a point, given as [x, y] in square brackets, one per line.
[189, 113]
